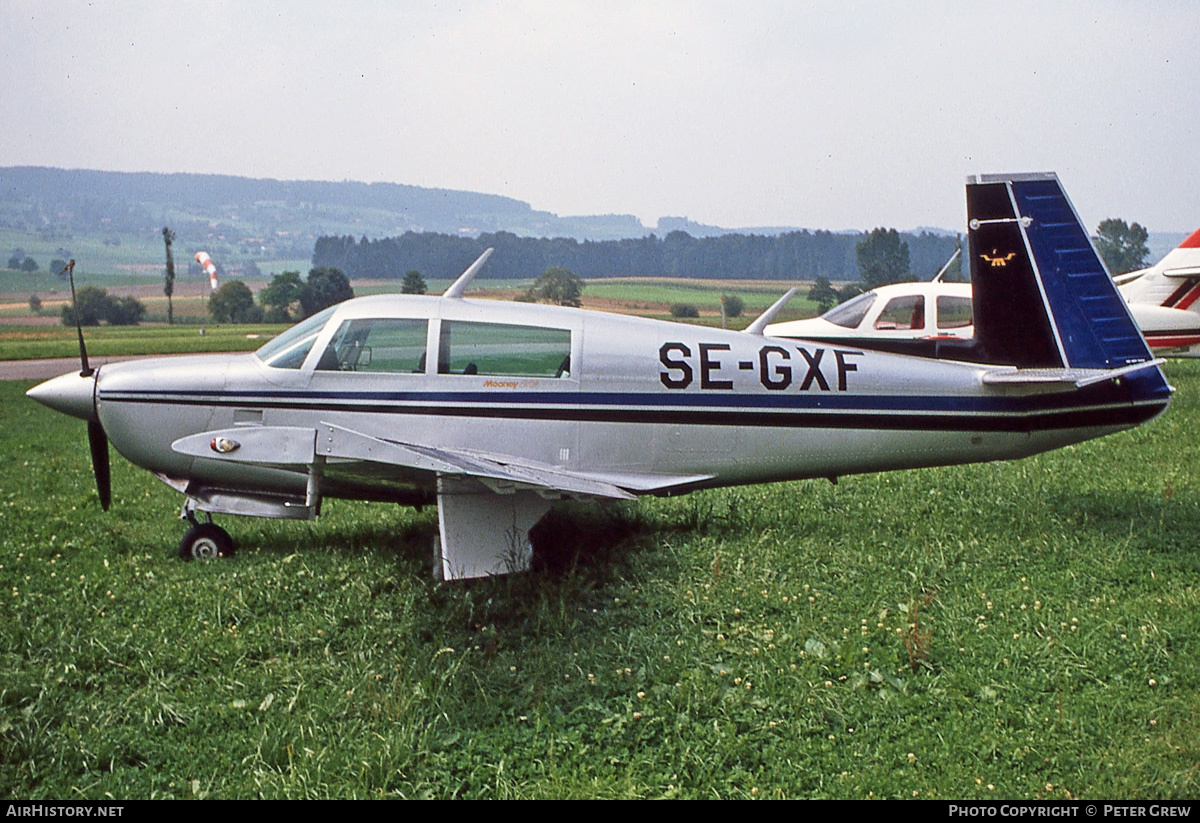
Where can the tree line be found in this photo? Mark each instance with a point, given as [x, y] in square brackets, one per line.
[286, 299]
[787, 256]
[881, 257]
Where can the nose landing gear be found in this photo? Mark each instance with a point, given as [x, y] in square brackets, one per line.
[204, 541]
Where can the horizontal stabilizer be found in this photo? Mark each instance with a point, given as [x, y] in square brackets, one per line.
[1076, 377]
[1128, 277]
[1182, 271]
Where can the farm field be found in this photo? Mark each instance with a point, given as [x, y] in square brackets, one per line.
[26, 336]
[1015, 630]
[118, 256]
[654, 297]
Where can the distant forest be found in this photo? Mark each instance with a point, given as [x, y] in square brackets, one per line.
[437, 232]
[796, 255]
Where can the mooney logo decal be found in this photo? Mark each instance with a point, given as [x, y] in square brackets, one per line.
[996, 260]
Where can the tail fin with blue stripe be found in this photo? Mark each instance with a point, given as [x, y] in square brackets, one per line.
[1044, 302]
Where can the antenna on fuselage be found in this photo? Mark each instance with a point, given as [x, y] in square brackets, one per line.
[97, 439]
[460, 285]
[85, 370]
[937, 278]
[766, 317]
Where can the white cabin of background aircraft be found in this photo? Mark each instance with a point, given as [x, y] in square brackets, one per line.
[494, 410]
[1163, 300]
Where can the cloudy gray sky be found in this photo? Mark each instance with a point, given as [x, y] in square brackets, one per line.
[821, 114]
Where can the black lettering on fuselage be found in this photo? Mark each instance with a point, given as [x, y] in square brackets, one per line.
[708, 366]
[843, 366]
[779, 376]
[685, 371]
[775, 370]
[814, 369]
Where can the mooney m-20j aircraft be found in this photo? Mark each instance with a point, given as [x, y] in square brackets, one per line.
[493, 410]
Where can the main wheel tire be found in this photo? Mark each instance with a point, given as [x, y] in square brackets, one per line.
[205, 542]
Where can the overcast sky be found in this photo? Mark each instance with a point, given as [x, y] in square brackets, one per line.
[829, 115]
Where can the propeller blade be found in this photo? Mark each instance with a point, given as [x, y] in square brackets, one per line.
[98, 441]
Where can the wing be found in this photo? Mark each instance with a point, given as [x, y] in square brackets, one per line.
[486, 502]
[292, 446]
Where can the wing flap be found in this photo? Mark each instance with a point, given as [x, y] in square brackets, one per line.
[338, 443]
[493, 471]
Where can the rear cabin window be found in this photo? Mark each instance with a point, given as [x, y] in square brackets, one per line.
[954, 312]
[851, 313]
[391, 345]
[502, 350]
[902, 314]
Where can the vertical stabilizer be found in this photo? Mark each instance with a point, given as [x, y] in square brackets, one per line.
[1043, 299]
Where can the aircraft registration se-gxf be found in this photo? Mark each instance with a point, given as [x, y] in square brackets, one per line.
[493, 410]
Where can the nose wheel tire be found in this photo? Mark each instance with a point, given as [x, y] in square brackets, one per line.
[206, 541]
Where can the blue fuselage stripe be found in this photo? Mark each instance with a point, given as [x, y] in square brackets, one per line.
[1101, 405]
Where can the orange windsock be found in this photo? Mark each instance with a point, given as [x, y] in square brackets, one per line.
[209, 266]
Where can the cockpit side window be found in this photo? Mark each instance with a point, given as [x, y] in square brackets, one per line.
[503, 350]
[851, 313]
[390, 345]
[288, 350]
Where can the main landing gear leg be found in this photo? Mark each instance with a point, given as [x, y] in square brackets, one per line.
[203, 540]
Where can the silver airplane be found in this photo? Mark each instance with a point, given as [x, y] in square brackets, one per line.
[494, 410]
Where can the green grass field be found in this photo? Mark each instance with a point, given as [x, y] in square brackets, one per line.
[1017, 630]
[48, 285]
[654, 297]
[94, 255]
[756, 294]
[36, 342]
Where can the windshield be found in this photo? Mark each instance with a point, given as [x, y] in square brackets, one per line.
[288, 350]
[850, 313]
